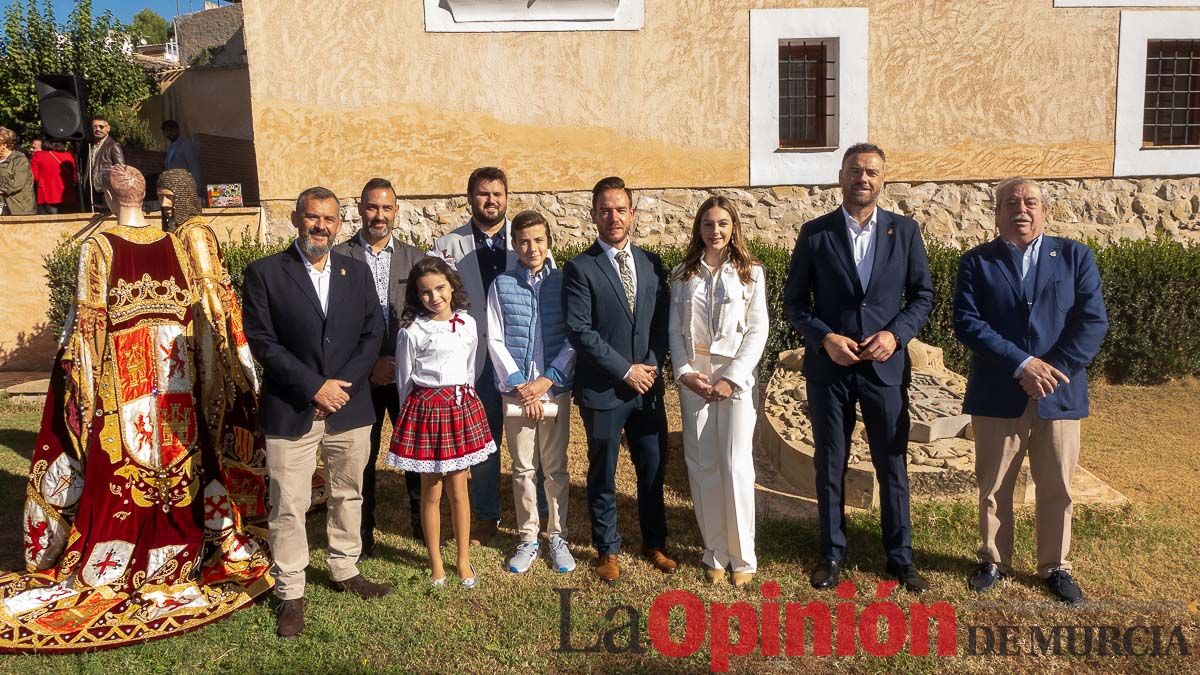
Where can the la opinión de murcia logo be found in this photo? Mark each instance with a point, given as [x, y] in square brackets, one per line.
[882, 628]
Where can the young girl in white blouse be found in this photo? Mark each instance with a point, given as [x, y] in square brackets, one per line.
[442, 428]
[718, 329]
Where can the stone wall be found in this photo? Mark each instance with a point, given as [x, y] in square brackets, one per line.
[1105, 209]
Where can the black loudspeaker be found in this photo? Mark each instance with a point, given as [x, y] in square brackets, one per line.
[62, 101]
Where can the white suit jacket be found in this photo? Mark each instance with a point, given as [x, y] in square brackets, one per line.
[741, 334]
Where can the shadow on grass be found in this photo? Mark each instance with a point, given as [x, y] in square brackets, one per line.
[12, 501]
[20, 440]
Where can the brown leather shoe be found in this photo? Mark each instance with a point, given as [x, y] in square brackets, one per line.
[289, 618]
[483, 532]
[660, 560]
[609, 567]
[363, 588]
[715, 574]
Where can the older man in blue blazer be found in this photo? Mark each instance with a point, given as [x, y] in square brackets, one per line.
[1028, 306]
[858, 290]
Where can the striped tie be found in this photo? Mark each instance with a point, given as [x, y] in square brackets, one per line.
[626, 278]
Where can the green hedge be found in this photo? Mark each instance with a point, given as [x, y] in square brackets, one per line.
[1151, 290]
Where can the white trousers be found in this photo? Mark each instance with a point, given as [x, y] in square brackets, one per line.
[718, 446]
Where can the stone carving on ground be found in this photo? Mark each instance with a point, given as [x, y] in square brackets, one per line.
[941, 453]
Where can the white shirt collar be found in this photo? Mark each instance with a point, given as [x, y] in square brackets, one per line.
[853, 223]
[308, 266]
[611, 251]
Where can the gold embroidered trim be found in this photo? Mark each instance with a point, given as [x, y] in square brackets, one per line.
[138, 235]
[147, 296]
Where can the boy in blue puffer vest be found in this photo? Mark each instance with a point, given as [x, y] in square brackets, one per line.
[534, 363]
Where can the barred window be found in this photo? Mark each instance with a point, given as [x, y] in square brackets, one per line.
[805, 93]
[1172, 106]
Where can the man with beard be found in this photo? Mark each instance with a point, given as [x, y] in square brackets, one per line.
[858, 291]
[104, 152]
[480, 251]
[1029, 308]
[390, 261]
[313, 322]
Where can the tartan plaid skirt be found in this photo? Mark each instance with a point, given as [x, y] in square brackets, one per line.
[439, 430]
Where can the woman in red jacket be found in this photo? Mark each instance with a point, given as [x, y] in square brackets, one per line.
[54, 172]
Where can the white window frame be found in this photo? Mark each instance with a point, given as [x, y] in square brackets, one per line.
[1127, 3]
[630, 15]
[1130, 158]
[770, 164]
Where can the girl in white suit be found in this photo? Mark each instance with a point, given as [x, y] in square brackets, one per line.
[718, 331]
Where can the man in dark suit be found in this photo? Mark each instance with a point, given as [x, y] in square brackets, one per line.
[1029, 308]
[858, 291]
[616, 301]
[390, 262]
[312, 320]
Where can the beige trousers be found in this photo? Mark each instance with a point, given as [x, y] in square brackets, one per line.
[533, 444]
[1053, 448]
[291, 463]
[718, 447]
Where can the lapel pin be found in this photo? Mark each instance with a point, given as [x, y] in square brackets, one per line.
[890, 231]
[343, 269]
[1053, 253]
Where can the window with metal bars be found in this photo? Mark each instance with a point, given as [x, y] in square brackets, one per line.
[1172, 106]
[805, 94]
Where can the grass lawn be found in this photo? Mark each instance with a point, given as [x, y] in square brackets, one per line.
[1139, 565]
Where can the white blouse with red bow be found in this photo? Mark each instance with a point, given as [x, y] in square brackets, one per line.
[436, 353]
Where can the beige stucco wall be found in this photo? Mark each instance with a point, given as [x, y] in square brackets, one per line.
[26, 342]
[958, 90]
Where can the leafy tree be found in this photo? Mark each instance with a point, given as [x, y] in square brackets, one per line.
[149, 26]
[93, 47]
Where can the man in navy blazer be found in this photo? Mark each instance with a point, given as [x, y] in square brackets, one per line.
[1029, 307]
[858, 290]
[313, 321]
[616, 302]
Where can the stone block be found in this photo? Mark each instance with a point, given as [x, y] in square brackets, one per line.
[942, 427]
[30, 388]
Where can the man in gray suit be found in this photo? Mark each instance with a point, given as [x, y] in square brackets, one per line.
[390, 261]
[481, 250]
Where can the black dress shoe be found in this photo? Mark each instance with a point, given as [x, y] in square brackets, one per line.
[825, 574]
[1064, 587]
[910, 579]
[985, 577]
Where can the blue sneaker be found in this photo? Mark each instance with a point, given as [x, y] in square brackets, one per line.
[522, 560]
[561, 559]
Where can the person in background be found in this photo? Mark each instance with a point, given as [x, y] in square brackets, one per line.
[103, 152]
[53, 170]
[16, 180]
[181, 154]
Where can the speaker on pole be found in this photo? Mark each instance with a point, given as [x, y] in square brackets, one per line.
[62, 104]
